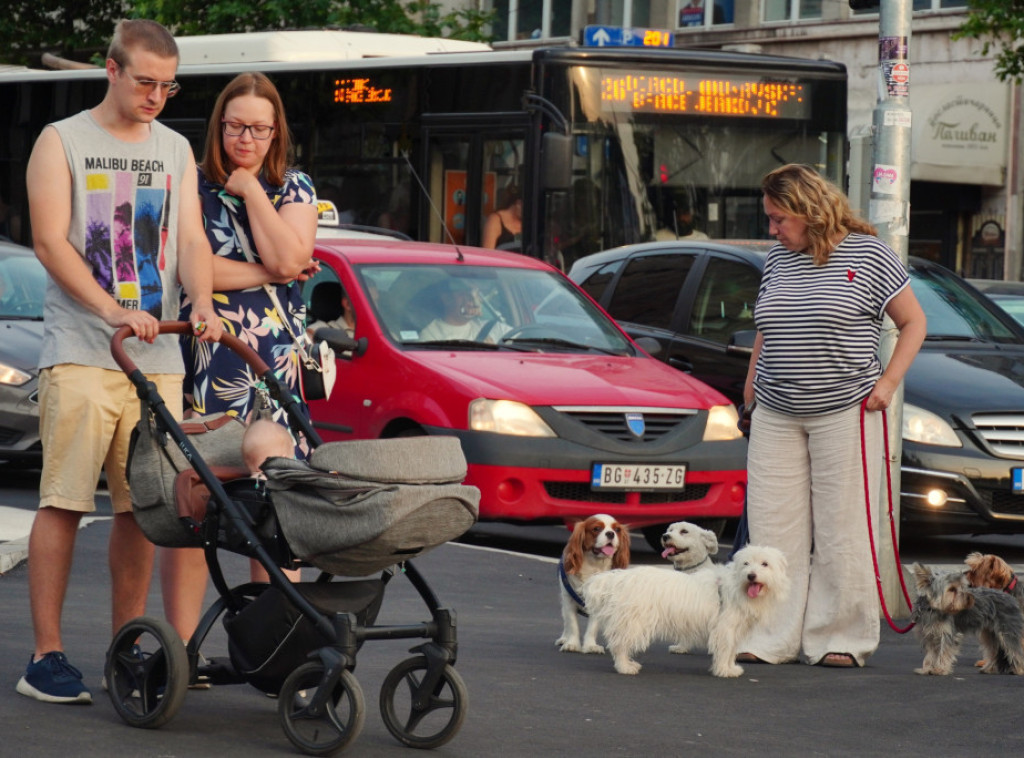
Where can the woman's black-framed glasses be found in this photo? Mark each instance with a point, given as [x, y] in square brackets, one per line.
[169, 89]
[237, 129]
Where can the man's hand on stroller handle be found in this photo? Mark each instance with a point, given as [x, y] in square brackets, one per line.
[144, 325]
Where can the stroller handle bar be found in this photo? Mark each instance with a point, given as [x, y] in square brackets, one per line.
[236, 345]
[275, 387]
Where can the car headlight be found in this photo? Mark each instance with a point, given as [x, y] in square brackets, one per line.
[723, 423]
[507, 417]
[13, 376]
[927, 428]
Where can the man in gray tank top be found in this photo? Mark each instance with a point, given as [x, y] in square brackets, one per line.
[116, 222]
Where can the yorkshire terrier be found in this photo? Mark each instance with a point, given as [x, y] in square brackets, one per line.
[947, 607]
[988, 570]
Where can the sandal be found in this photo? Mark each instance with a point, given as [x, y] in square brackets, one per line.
[839, 660]
[748, 658]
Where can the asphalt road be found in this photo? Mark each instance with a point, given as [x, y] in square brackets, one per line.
[526, 698]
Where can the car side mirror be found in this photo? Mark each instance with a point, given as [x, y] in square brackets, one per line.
[650, 345]
[742, 342]
[339, 340]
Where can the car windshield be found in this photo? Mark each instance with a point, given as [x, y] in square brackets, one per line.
[1012, 304]
[22, 286]
[488, 308]
[953, 311]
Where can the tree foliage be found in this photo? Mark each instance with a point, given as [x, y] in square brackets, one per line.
[74, 29]
[999, 24]
[80, 29]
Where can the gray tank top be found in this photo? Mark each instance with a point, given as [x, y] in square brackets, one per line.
[124, 223]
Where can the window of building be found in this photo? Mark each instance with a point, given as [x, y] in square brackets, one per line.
[530, 19]
[791, 10]
[703, 13]
[919, 5]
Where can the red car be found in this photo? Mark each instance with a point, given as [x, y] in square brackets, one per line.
[560, 414]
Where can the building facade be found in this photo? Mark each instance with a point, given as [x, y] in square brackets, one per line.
[966, 193]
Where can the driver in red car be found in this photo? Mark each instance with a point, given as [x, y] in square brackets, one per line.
[461, 318]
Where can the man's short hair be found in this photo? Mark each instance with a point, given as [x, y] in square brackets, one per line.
[141, 34]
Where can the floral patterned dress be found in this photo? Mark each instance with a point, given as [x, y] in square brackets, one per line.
[217, 380]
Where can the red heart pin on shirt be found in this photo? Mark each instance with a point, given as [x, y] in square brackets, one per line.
[850, 273]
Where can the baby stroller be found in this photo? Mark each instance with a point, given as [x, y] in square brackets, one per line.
[355, 509]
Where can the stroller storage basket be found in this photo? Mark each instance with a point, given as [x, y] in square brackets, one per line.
[269, 638]
[360, 506]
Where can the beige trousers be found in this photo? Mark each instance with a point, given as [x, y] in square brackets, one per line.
[806, 497]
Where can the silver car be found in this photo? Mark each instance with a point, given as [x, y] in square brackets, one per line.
[22, 284]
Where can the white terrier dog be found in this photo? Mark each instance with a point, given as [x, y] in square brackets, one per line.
[712, 608]
[688, 546]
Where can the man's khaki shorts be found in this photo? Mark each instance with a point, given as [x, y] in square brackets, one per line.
[86, 418]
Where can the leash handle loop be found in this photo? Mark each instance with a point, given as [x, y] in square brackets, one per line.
[892, 521]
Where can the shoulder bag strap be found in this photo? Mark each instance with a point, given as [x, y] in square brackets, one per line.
[243, 241]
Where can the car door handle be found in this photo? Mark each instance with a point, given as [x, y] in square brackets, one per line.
[682, 364]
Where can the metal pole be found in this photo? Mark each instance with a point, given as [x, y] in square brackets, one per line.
[889, 211]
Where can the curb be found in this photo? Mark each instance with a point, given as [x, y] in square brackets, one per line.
[12, 553]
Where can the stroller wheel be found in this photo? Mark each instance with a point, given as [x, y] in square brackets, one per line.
[146, 672]
[418, 718]
[320, 731]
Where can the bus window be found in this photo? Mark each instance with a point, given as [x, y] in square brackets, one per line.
[448, 183]
[470, 174]
[502, 191]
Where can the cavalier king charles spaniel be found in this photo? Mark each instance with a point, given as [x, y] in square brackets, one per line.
[599, 543]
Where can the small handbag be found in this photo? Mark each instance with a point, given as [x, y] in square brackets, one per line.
[317, 362]
[317, 372]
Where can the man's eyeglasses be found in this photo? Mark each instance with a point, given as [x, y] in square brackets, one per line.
[168, 89]
[237, 129]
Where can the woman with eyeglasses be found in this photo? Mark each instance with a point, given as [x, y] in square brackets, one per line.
[260, 216]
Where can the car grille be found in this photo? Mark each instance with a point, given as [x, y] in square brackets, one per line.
[581, 492]
[1003, 502]
[10, 436]
[611, 422]
[1002, 432]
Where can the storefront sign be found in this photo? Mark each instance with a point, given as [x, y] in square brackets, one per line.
[961, 125]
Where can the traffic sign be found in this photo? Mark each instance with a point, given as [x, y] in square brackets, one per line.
[618, 36]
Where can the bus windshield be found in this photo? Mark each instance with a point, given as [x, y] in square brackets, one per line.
[663, 154]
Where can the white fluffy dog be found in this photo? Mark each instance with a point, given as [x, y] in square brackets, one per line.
[597, 544]
[712, 608]
[688, 546]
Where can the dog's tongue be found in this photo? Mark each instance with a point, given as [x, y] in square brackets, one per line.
[667, 552]
[754, 589]
[608, 550]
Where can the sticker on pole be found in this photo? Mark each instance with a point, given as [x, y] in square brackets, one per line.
[885, 179]
[897, 78]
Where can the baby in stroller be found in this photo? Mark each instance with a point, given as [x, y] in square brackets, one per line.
[265, 439]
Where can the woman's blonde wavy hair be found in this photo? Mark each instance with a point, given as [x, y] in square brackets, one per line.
[801, 191]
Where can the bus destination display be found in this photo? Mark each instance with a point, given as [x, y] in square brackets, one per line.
[356, 91]
[708, 95]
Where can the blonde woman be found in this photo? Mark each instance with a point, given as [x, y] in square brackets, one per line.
[827, 286]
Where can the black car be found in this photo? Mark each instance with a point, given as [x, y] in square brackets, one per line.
[963, 412]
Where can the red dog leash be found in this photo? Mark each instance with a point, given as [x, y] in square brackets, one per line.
[892, 522]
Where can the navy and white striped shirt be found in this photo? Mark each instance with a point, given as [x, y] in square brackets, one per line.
[821, 325]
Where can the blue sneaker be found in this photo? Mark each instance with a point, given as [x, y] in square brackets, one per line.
[53, 680]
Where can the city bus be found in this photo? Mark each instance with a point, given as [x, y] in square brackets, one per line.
[605, 146]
